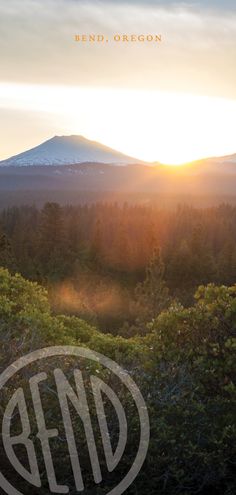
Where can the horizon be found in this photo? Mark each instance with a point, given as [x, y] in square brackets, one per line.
[118, 246]
[171, 102]
[154, 162]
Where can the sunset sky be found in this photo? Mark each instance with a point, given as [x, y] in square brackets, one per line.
[173, 101]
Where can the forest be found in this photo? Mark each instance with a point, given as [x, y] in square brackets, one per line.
[99, 261]
[153, 289]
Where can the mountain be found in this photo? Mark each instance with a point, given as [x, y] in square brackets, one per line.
[220, 164]
[225, 164]
[76, 170]
[68, 150]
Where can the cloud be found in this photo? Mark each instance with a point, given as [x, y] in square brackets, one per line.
[151, 125]
[197, 54]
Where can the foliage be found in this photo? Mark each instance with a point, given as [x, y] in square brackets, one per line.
[185, 367]
[151, 295]
[192, 395]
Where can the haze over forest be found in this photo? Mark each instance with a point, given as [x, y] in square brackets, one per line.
[118, 235]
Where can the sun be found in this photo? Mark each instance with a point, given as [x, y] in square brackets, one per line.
[171, 128]
[154, 126]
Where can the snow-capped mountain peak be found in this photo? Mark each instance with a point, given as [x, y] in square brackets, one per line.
[67, 150]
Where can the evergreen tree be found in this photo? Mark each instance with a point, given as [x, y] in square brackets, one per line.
[152, 295]
[52, 242]
[96, 248]
[7, 259]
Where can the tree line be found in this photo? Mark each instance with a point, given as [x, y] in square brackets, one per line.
[119, 253]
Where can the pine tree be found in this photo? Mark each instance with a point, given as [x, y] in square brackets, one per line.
[152, 295]
[52, 253]
[7, 259]
[96, 248]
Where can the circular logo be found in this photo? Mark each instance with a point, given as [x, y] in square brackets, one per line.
[77, 397]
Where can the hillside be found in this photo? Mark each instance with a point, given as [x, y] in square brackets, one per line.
[65, 150]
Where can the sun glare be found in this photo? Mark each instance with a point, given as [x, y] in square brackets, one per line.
[169, 128]
[172, 128]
